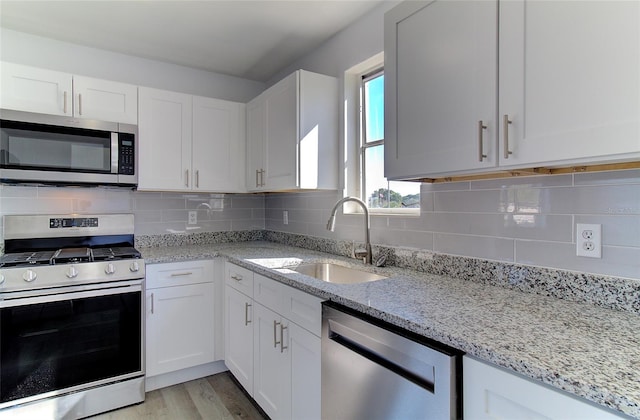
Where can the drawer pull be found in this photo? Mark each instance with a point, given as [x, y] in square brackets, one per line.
[151, 303]
[236, 278]
[187, 273]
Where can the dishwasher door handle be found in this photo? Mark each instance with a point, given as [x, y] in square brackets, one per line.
[394, 366]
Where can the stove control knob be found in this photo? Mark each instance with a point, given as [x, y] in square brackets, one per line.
[110, 268]
[29, 275]
[72, 272]
[134, 267]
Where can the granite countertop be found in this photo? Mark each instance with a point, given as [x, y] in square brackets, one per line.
[586, 350]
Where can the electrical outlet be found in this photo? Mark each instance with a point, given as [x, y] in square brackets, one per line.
[193, 217]
[589, 240]
[285, 217]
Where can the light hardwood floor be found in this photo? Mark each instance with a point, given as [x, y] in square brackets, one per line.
[214, 397]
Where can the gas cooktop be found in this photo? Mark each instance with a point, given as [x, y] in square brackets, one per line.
[67, 255]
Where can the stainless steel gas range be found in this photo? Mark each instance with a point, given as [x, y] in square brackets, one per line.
[71, 316]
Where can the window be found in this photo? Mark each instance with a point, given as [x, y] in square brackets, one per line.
[380, 194]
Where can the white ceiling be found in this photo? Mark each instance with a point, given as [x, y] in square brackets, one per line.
[252, 39]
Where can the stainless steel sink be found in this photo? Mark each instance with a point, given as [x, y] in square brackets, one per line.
[333, 273]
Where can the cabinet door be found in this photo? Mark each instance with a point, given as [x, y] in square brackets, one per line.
[272, 365]
[238, 337]
[493, 393]
[569, 81]
[179, 327]
[32, 89]
[280, 134]
[317, 141]
[440, 85]
[105, 100]
[255, 144]
[218, 154]
[164, 140]
[305, 373]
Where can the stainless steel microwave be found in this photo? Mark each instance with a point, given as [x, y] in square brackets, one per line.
[47, 149]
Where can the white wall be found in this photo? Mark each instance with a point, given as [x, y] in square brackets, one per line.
[22, 48]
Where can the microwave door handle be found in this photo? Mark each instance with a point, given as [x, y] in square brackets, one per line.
[114, 153]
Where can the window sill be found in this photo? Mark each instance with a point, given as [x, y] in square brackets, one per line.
[388, 212]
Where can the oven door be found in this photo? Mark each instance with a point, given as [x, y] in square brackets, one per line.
[65, 342]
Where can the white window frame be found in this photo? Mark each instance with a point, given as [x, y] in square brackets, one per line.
[369, 72]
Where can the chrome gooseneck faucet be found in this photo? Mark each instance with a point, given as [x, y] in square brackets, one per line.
[364, 254]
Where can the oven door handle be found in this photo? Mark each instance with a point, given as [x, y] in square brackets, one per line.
[61, 294]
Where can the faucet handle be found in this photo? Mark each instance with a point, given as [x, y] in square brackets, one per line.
[360, 254]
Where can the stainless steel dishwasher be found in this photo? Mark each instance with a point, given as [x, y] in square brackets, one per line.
[373, 370]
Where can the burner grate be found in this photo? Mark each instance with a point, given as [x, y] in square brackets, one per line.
[41, 257]
[114, 253]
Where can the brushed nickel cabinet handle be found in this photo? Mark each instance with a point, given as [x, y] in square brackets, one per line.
[505, 128]
[152, 303]
[282, 346]
[247, 321]
[197, 178]
[64, 95]
[187, 273]
[481, 128]
[186, 178]
[236, 277]
[257, 184]
[262, 171]
[79, 103]
[275, 334]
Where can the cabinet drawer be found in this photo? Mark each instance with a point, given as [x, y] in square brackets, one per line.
[303, 309]
[268, 292]
[179, 274]
[239, 278]
[298, 306]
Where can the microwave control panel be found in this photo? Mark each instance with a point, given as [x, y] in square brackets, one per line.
[127, 157]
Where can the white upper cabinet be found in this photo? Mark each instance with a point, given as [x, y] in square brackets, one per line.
[569, 81]
[292, 135]
[440, 87]
[164, 140]
[190, 143]
[43, 91]
[475, 86]
[105, 100]
[218, 145]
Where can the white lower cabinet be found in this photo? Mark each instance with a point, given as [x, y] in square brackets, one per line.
[179, 316]
[491, 392]
[271, 363]
[238, 331]
[280, 327]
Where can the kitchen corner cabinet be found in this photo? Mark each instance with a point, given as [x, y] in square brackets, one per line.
[179, 316]
[292, 135]
[491, 392]
[283, 375]
[190, 143]
[565, 89]
[43, 91]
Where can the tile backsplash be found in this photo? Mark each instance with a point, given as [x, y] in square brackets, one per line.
[155, 212]
[523, 220]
